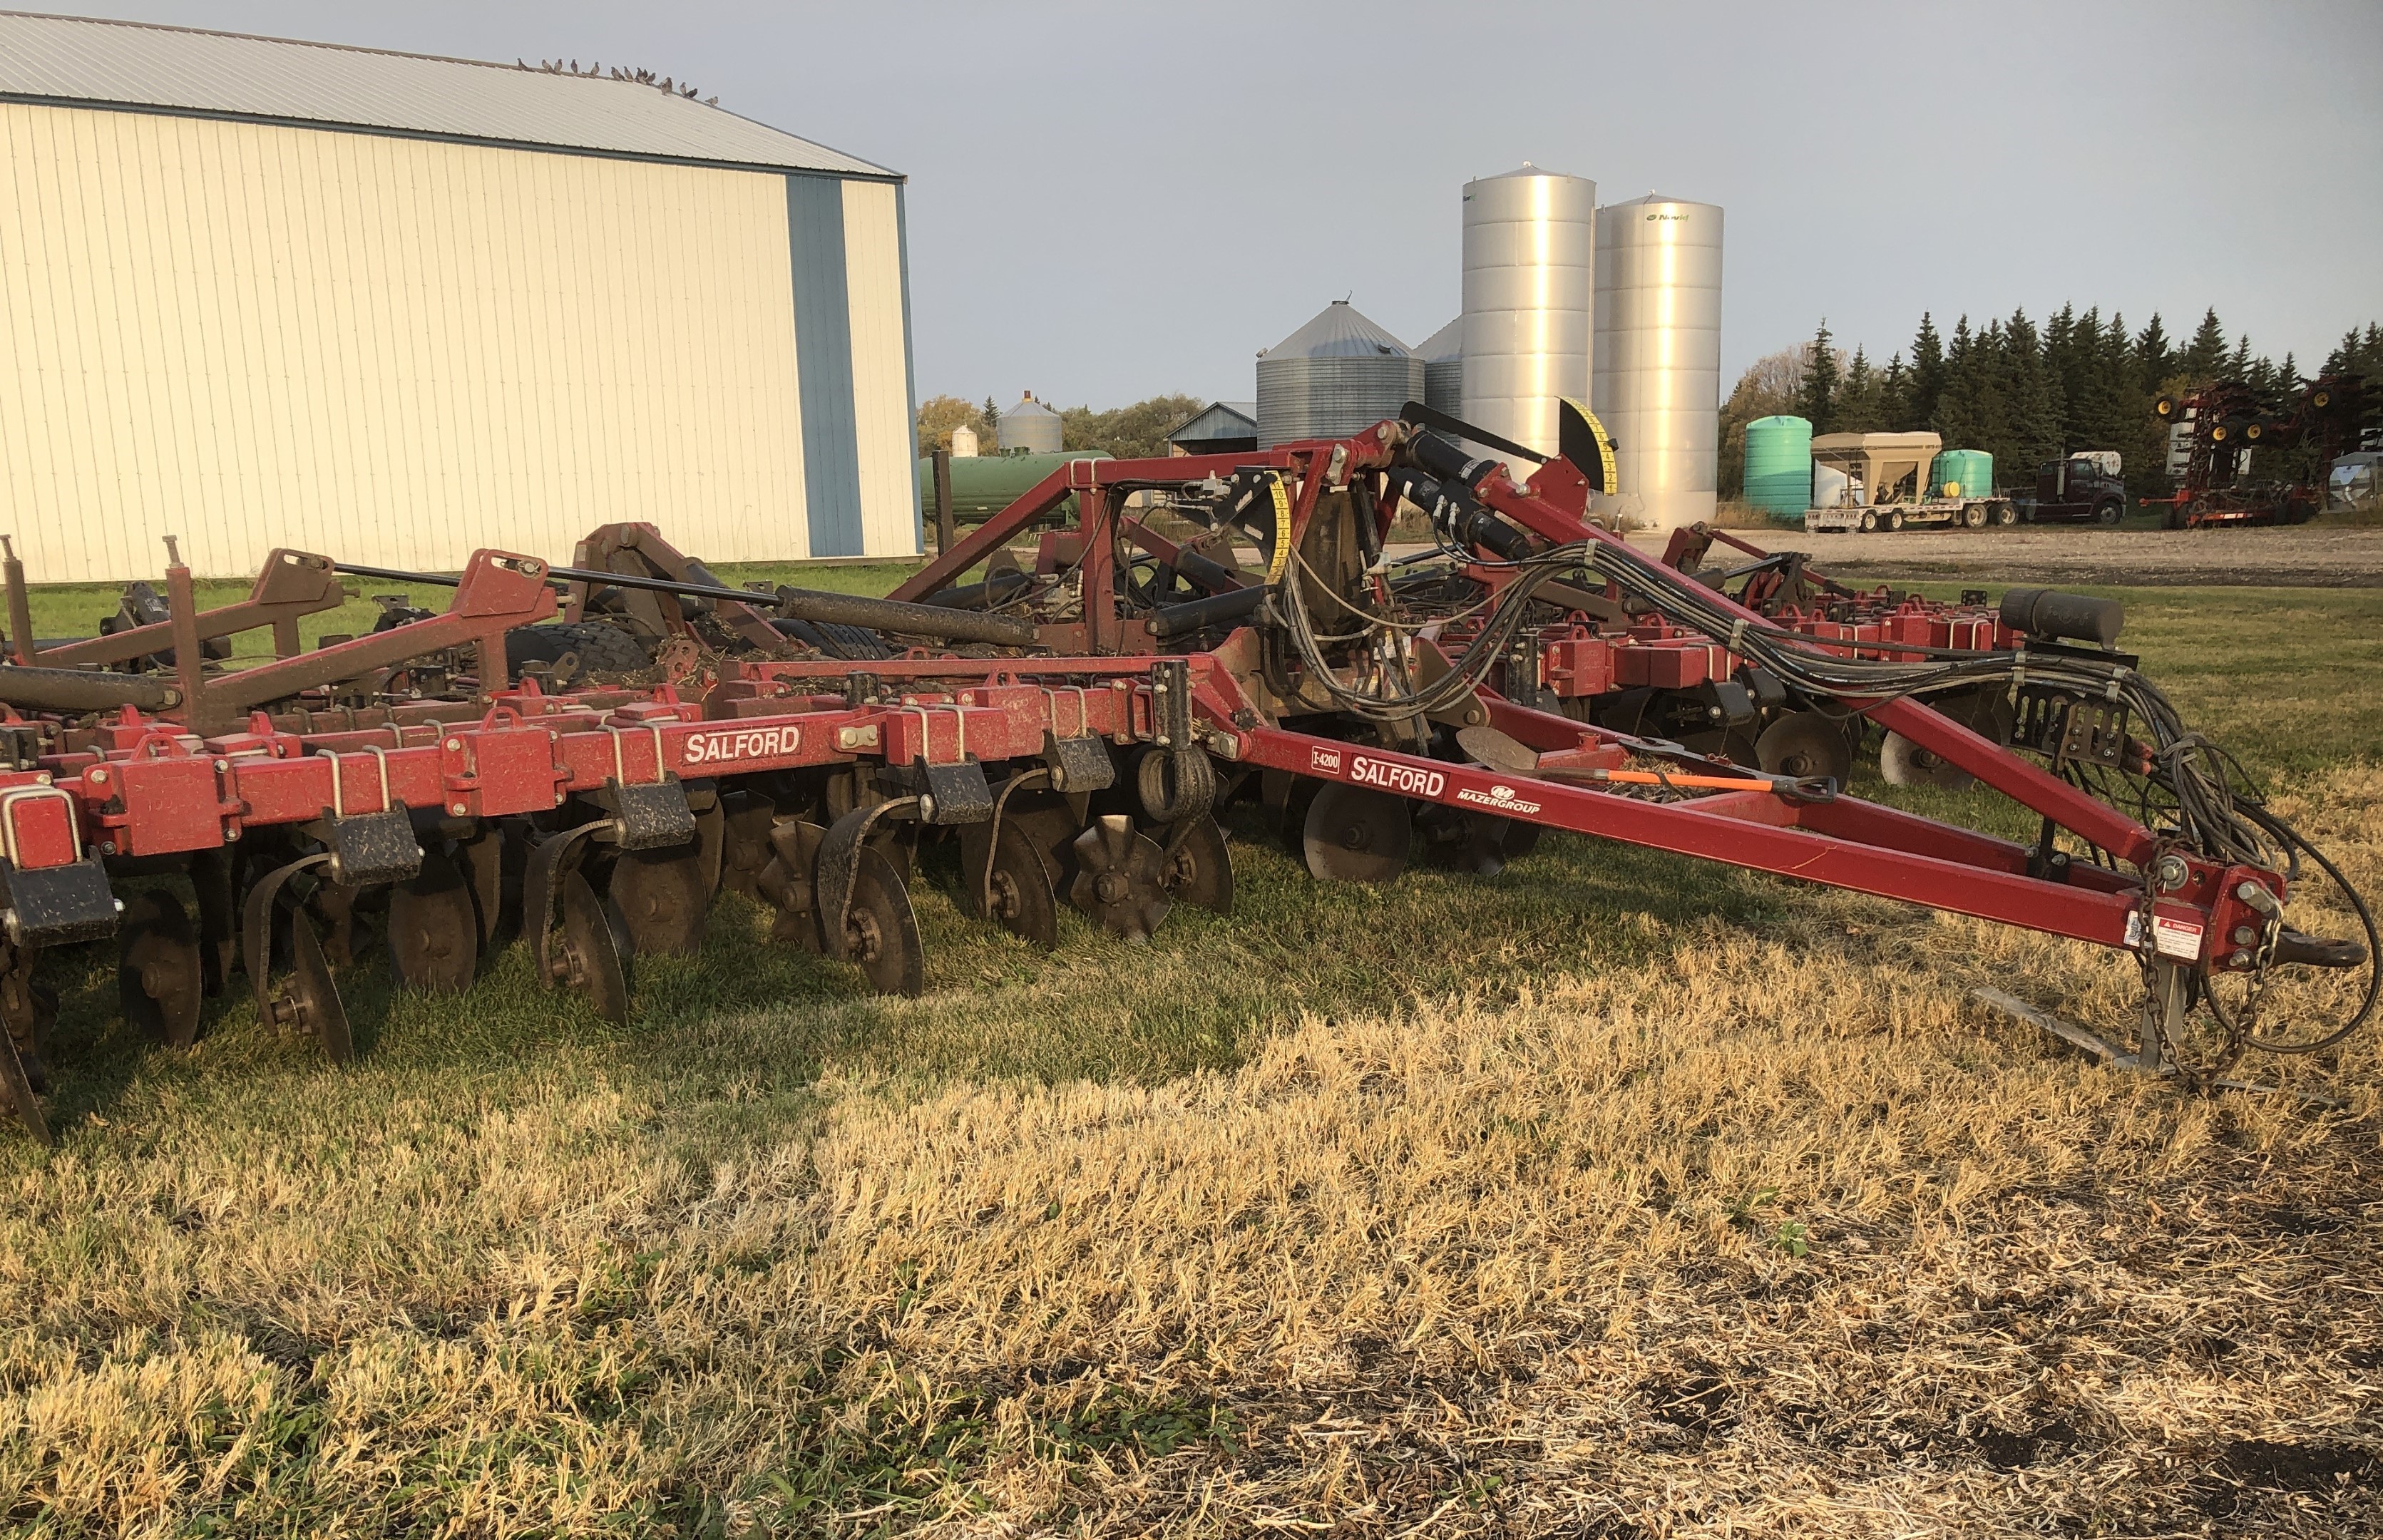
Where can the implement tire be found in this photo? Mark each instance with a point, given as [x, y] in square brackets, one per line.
[602, 649]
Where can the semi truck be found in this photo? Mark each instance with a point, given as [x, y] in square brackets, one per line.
[2084, 488]
[1869, 481]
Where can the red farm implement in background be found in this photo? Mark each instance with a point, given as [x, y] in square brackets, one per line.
[2247, 462]
[585, 756]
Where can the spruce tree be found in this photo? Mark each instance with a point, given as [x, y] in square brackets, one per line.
[1817, 401]
[1895, 396]
[2154, 358]
[2205, 354]
[1860, 400]
[2031, 396]
[1927, 373]
[2239, 365]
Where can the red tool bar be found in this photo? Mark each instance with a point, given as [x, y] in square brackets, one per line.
[1998, 768]
[2012, 898]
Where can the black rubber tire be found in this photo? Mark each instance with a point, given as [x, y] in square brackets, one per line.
[2109, 513]
[601, 648]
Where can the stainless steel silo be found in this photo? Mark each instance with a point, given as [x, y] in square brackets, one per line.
[1443, 367]
[1030, 426]
[1530, 249]
[1336, 376]
[1657, 386]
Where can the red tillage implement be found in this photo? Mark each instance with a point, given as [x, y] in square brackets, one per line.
[1186, 632]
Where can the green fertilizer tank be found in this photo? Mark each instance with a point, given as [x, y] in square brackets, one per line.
[1779, 465]
[1962, 474]
[989, 482]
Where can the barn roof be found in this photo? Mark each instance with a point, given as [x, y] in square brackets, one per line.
[78, 61]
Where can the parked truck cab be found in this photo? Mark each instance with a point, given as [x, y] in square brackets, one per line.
[2082, 488]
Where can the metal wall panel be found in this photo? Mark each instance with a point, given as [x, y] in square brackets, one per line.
[824, 360]
[393, 349]
[883, 443]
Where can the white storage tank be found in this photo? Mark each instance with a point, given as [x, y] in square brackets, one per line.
[1029, 426]
[1530, 252]
[1338, 374]
[1658, 377]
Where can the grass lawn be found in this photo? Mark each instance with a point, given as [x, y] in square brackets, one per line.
[1617, 1195]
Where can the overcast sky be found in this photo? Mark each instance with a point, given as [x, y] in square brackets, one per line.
[1108, 200]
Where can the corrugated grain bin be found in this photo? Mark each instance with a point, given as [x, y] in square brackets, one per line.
[1962, 474]
[1029, 426]
[1338, 374]
[1443, 368]
[1779, 465]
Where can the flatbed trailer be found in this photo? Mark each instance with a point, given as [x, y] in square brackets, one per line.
[1952, 512]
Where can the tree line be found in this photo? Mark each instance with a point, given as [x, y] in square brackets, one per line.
[1135, 432]
[2023, 392]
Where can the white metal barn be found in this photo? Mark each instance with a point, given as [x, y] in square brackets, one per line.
[393, 308]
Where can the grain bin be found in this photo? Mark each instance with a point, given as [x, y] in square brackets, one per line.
[1443, 367]
[1029, 426]
[1779, 465]
[1530, 253]
[1656, 383]
[1338, 374]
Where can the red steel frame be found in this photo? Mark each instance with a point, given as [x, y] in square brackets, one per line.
[153, 786]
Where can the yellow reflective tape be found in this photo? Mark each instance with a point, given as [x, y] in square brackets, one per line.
[1282, 530]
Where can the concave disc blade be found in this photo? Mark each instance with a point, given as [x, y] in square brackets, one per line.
[785, 883]
[1200, 865]
[661, 896]
[494, 863]
[1805, 743]
[160, 974]
[315, 994]
[881, 931]
[1464, 840]
[591, 951]
[746, 819]
[1354, 835]
[1905, 763]
[1119, 878]
[434, 929]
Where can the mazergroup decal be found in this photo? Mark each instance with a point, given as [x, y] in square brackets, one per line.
[753, 743]
[1403, 779]
[1500, 797]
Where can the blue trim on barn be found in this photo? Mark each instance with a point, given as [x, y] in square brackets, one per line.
[909, 367]
[823, 364]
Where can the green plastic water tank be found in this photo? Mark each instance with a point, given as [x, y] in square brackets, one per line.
[1969, 474]
[1779, 465]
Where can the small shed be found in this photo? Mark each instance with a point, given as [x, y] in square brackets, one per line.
[1220, 427]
